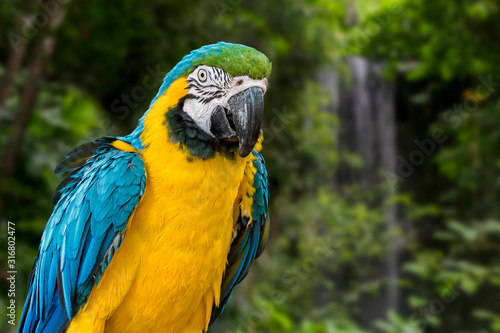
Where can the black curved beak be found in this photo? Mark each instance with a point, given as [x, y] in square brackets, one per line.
[242, 121]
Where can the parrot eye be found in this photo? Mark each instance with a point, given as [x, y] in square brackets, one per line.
[202, 75]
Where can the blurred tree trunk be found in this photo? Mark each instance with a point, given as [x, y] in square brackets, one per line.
[42, 48]
[13, 65]
[16, 57]
[365, 105]
[23, 115]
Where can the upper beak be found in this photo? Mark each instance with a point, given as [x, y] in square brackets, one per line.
[243, 119]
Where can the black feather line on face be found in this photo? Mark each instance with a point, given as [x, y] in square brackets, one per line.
[184, 130]
[215, 86]
[201, 94]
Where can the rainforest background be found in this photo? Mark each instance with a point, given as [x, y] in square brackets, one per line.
[382, 144]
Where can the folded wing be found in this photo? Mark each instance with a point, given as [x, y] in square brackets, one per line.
[92, 207]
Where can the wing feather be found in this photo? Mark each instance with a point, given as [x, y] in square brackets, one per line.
[84, 231]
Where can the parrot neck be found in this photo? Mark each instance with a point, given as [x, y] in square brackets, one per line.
[177, 127]
[134, 138]
[183, 130]
[169, 94]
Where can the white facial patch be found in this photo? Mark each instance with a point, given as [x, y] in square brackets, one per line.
[211, 86]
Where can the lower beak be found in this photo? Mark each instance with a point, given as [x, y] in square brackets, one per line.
[243, 119]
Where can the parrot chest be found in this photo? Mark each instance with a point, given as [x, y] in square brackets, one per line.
[181, 232]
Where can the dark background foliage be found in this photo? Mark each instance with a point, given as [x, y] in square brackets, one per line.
[381, 144]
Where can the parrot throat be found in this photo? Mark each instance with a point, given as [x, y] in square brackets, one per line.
[183, 130]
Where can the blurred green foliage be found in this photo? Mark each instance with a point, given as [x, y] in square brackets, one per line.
[328, 243]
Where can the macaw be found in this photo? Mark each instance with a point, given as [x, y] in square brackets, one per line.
[152, 231]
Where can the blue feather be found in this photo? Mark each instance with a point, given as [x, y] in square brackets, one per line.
[80, 233]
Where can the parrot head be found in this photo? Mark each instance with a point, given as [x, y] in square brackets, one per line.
[218, 103]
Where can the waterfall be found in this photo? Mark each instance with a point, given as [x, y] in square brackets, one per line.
[365, 106]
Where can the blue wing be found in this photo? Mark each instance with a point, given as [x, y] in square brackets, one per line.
[251, 238]
[92, 207]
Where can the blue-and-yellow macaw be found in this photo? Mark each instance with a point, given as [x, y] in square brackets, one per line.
[152, 231]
